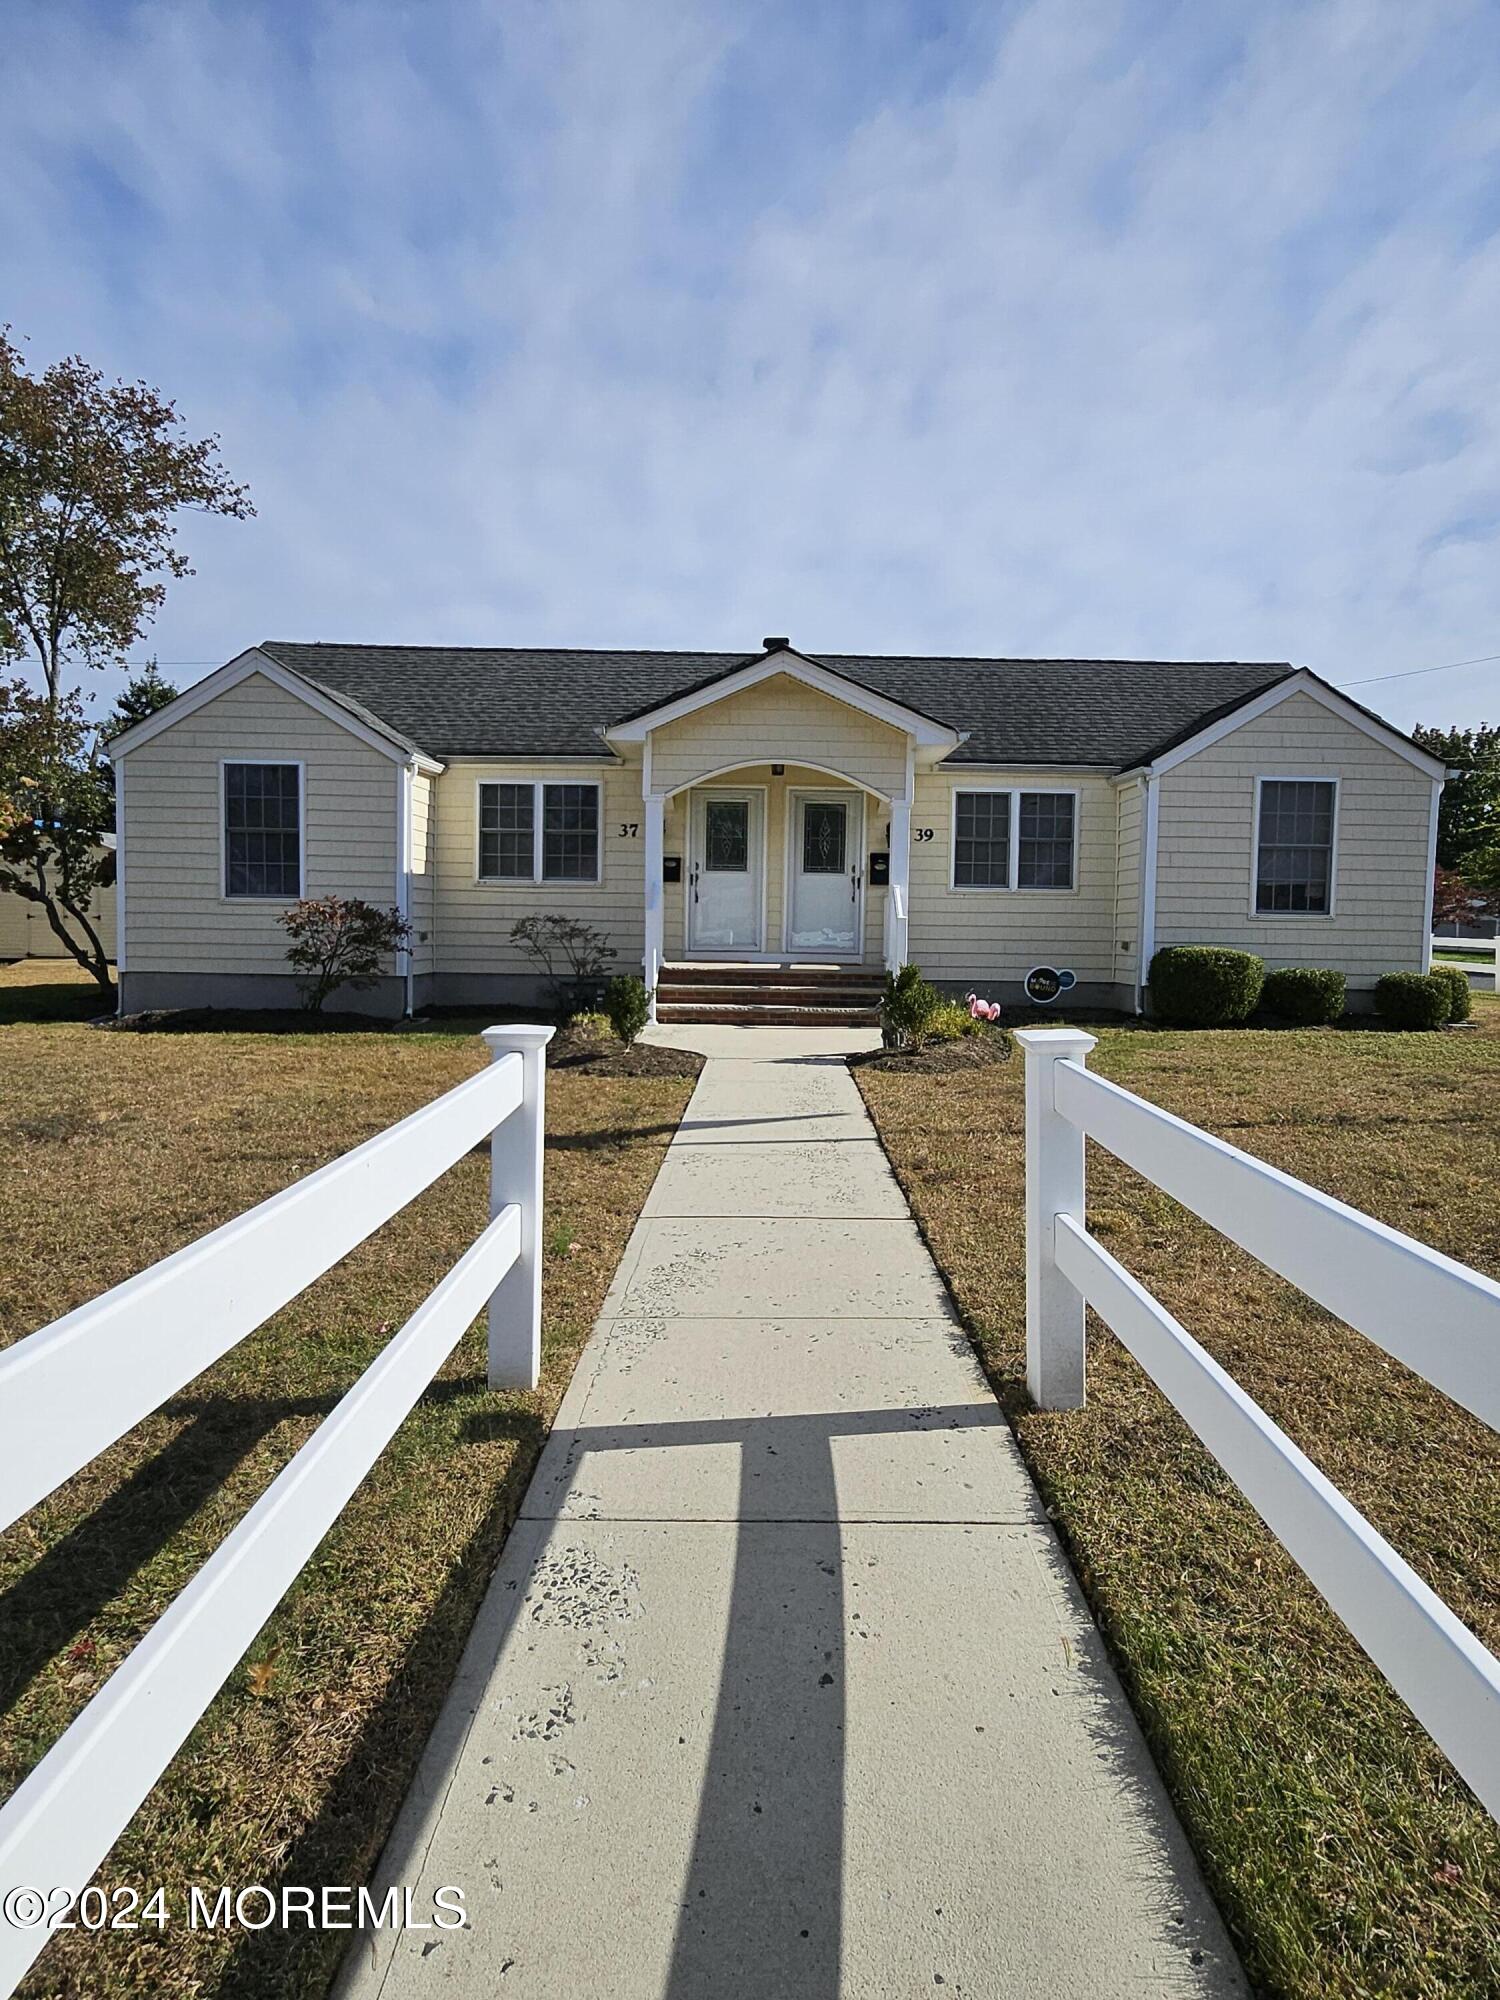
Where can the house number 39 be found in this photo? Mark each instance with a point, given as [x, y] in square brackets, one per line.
[922, 833]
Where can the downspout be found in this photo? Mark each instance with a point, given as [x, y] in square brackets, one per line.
[404, 801]
[1432, 843]
[1150, 801]
[119, 887]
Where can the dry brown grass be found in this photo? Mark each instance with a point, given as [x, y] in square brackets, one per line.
[119, 1149]
[1347, 1856]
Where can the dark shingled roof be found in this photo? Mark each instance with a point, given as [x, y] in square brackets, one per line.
[516, 701]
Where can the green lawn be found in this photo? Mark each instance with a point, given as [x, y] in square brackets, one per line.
[122, 1147]
[1348, 1858]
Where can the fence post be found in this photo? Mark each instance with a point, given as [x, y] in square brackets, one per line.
[1054, 1186]
[515, 1357]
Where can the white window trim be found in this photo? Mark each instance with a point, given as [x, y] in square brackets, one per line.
[1296, 916]
[276, 763]
[1012, 886]
[536, 879]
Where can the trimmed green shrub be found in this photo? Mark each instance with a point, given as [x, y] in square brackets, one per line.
[907, 1006]
[627, 1005]
[1412, 1000]
[1205, 985]
[1461, 994]
[1311, 994]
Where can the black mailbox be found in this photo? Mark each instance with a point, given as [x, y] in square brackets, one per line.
[671, 868]
[880, 871]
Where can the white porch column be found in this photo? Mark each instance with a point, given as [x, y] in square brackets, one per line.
[655, 807]
[896, 896]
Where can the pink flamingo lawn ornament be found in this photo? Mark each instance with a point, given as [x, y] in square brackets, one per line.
[982, 1010]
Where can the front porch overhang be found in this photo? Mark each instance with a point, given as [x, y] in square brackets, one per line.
[925, 732]
[793, 761]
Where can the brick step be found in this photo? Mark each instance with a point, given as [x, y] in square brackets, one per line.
[821, 976]
[702, 1015]
[768, 993]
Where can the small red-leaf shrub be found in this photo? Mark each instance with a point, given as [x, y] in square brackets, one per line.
[339, 941]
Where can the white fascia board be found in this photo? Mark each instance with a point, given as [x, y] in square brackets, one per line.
[254, 661]
[920, 727]
[1031, 767]
[584, 761]
[1301, 682]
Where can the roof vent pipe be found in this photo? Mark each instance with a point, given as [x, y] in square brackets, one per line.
[777, 645]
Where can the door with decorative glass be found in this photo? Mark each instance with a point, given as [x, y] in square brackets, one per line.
[724, 873]
[826, 899]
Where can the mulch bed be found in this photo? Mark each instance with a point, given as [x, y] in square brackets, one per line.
[940, 1059]
[243, 1021]
[594, 1058]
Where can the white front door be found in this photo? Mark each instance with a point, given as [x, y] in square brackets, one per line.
[725, 871]
[826, 904]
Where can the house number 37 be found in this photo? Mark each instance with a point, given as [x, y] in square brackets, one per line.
[629, 828]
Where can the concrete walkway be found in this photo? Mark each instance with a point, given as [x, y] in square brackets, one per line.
[783, 1689]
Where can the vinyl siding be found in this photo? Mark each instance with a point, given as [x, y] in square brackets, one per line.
[776, 722]
[1206, 840]
[474, 918]
[178, 919]
[777, 815]
[995, 934]
[1131, 832]
[423, 901]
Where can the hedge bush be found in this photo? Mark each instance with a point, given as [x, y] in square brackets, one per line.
[1205, 985]
[1413, 1000]
[1461, 1000]
[626, 1004]
[1310, 994]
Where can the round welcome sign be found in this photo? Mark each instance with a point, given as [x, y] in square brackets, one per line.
[1044, 982]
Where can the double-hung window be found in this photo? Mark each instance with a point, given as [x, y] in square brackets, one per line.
[507, 833]
[1294, 847]
[539, 832]
[1014, 840]
[981, 840]
[263, 830]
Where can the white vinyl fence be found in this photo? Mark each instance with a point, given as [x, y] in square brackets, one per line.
[1478, 957]
[70, 1390]
[1438, 1317]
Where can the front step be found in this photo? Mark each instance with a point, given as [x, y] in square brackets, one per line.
[740, 973]
[770, 996]
[748, 993]
[703, 1014]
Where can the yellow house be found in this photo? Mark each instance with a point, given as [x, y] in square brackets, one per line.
[766, 832]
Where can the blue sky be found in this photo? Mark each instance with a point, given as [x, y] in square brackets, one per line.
[1139, 329]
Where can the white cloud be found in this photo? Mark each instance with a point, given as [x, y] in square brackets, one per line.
[1078, 327]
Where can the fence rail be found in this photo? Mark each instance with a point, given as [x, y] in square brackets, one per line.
[168, 1323]
[1437, 1316]
[1480, 958]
